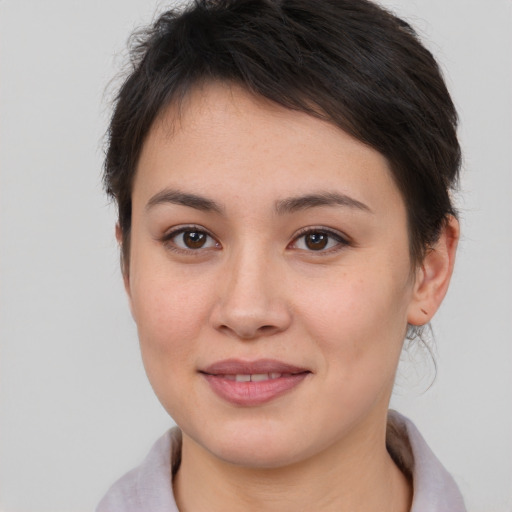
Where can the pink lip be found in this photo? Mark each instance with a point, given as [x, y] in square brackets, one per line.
[220, 377]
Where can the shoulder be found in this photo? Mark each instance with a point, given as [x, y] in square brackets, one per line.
[435, 489]
[148, 487]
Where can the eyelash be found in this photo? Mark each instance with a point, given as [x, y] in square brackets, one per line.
[167, 240]
[341, 241]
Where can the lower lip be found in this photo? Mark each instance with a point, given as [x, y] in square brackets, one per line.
[249, 394]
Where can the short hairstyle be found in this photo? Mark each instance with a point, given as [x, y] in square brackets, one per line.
[349, 62]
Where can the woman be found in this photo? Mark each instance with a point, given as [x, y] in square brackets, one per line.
[282, 172]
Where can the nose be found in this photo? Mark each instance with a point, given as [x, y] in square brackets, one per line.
[252, 299]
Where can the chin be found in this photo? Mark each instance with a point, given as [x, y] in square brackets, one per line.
[262, 446]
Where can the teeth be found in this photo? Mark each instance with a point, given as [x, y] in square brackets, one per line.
[259, 376]
[255, 377]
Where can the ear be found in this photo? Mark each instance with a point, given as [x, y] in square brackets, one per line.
[434, 274]
[124, 263]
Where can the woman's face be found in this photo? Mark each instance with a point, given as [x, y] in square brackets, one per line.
[269, 278]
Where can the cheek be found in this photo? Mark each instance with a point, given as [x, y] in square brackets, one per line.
[358, 328]
[359, 321]
[169, 319]
[170, 311]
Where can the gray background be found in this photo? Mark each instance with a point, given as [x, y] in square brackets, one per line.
[76, 410]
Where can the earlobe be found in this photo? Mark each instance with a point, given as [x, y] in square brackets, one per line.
[434, 274]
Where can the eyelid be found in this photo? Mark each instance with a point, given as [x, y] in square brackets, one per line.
[173, 232]
[342, 239]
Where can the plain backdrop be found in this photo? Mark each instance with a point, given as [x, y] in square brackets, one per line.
[76, 409]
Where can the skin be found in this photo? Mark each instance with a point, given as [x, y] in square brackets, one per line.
[256, 290]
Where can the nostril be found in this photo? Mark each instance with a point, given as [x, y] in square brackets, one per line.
[247, 333]
[267, 329]
[249, 320]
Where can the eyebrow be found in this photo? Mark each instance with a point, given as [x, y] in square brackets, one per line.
[282, 206]
[182, 198]
[299, 203]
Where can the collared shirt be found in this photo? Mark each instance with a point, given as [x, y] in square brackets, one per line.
[148, 488]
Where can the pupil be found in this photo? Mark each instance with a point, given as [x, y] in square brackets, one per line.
[193, 239]
[316, 241]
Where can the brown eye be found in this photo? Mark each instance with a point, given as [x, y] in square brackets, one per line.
[190, 239]
[316, 241]
[194, 239]
[319, 240]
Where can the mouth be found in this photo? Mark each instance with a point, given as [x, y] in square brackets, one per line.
[247, 384]
[253, 377]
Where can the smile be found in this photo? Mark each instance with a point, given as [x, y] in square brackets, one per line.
[255, 377]
[248, 384]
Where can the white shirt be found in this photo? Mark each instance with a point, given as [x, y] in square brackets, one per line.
[148, 488]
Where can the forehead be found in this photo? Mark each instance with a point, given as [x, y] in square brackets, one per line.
[222, 138]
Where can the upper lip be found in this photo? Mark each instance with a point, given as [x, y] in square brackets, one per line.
[239, 367]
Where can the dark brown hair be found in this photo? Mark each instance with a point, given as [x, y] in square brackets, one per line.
[349, 62]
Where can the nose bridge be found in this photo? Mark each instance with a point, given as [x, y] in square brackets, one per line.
[252, 300]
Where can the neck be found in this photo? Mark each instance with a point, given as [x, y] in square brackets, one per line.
[358, 475]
